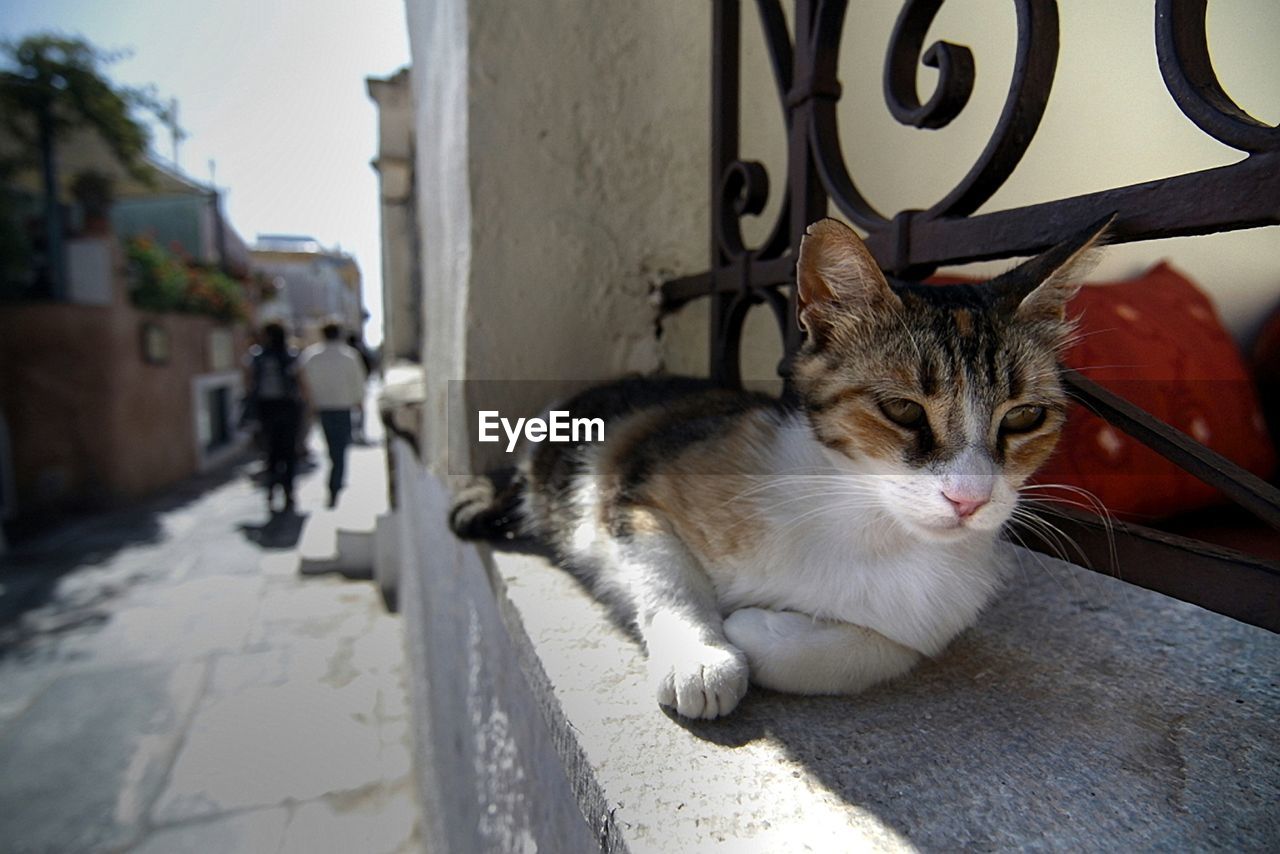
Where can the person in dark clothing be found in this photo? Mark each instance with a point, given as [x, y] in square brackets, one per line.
[354, 342]
[357, 413]
[276, 397]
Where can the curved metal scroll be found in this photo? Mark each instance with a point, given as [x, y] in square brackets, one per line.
[1033, 72]
[744, 185]
[954, 63]
[1182, 47]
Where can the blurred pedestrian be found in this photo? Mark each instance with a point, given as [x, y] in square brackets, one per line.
[357, 414]
[275, 399]
[354, 342]
[335, 380]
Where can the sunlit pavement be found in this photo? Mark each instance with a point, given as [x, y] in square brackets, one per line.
[168, 682]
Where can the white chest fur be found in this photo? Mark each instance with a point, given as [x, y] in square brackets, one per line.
[843, 559]
[921, 595]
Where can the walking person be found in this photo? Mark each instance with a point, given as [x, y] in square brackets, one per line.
[335, 380]
[275, 399]
[357, 414]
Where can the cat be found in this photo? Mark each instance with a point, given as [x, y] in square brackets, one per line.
[824, 542]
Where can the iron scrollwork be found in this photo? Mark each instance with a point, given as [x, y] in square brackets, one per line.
[805, 73]
[913, 243]
[1182, 48]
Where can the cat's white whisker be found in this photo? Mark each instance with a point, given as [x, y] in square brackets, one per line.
[1041, 492]
[1047, 529]
[1058, 551]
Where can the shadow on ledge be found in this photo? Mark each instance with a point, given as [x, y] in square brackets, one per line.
[1078, 713]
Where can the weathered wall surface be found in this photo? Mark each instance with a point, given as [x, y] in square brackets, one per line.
[560, 168]
[438, 40]
[562, 174]
[89, 420]
[490, 772]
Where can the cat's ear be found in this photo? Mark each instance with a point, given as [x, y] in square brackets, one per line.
[836, 270]
[1040, 288]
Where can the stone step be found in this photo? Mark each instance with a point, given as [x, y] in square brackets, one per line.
[340, 539]
[318, 545]
[386, 559]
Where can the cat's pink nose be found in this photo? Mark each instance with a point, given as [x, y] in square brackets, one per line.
[965, 505]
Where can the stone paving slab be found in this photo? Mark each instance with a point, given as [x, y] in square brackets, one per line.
[239, 833]
[290, 724]
[82, 764]
[382, 821]
[169, 683]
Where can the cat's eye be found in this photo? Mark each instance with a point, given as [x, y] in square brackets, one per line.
[1022, 419]
[903, 412]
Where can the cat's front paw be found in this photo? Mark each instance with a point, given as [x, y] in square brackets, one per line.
[705, 681]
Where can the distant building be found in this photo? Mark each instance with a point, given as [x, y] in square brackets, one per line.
[401, 272]
[189, 219]
[102, 401]
[172, 208]
[317, 285]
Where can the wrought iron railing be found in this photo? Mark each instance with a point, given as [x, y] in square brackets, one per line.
[913, 243]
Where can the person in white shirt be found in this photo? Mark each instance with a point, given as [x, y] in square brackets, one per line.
[335, 381]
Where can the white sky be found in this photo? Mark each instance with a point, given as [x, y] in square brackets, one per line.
[272, 91]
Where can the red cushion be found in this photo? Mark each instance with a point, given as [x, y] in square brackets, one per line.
[1157, 341]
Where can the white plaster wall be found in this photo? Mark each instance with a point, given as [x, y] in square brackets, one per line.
[438, 43]
[588, 165]
[562, 165]
[1110, 122]
[91, 271]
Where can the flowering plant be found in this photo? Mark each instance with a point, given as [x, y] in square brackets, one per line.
[163, 282]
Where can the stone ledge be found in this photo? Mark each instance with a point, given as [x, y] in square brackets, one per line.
[1080, 713]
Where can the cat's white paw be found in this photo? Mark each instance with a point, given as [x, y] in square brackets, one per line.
[703, 681]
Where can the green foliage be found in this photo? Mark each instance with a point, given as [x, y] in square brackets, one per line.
[164, 282]
[50, 84]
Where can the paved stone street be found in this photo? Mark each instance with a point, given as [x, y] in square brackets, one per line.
[169, 683]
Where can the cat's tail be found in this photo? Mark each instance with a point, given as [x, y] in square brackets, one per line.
[488, 507]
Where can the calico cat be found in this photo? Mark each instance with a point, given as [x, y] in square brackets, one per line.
[826, 542]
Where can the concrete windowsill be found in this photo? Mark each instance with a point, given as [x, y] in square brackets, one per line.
[1080, 713]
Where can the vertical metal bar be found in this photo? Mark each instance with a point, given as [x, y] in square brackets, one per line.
[726, 35]
[804, 184]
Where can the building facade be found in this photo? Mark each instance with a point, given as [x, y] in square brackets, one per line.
[102, 401]
[316, 285]
[401, 266]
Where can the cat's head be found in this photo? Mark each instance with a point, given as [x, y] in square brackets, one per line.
[950, 395]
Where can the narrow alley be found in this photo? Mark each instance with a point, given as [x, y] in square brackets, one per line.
[170, 682]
